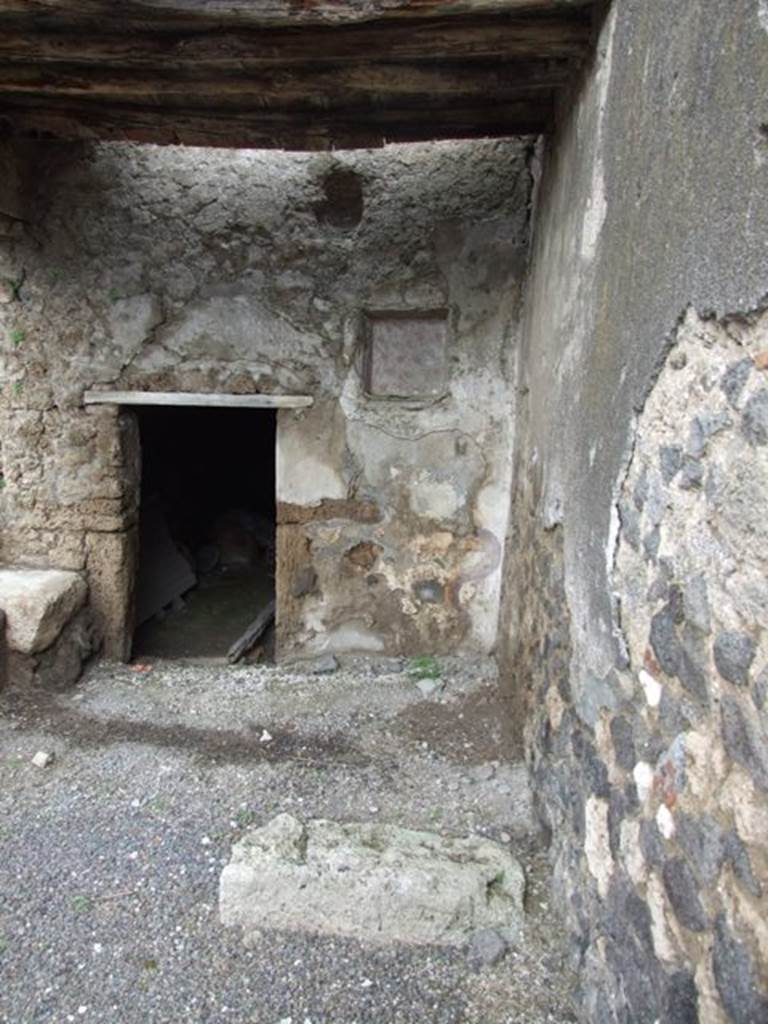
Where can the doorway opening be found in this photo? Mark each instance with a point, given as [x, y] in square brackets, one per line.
[206, 568]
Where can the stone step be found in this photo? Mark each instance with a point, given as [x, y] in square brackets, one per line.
[48, 632]
[376, 883]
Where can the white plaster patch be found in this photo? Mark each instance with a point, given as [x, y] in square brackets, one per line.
[307, 459]
[132, 319]
[642, 773]
[434, 499]
[594, 216]
[352, 637]
[491, 515]
[303, 479]
[651, 688]
[762, 13]
[597, 204]
[597, 847]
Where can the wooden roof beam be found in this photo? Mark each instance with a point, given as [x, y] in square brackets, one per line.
[269, 12]
[438, 40]
[312, 86]
[274, 129]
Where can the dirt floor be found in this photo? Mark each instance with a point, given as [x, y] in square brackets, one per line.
[110, 857]
[211, 617]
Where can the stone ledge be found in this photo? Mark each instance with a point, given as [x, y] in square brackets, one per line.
[38, 604]
[375, 883]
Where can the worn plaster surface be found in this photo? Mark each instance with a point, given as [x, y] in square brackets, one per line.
[192, 270]
[634, 604]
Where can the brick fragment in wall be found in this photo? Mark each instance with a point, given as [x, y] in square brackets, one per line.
[357, 511]
[363, 555]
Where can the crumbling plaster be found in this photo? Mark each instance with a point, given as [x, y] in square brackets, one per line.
[183, 270]
[649, 237]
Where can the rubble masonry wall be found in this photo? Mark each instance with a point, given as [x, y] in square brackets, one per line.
[127, 267]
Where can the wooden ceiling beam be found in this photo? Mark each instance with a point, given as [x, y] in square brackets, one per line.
[313, 86]
[437, 40]
[267, 12]
[271, 129]
[303, 74]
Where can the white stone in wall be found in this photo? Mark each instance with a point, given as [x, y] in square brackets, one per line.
[651, 688]
[642, 773]
[662, 929]
[596, 845]
[665, 821]
[376, 883]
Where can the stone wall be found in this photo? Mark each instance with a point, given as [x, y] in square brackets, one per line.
[635, 596]
[193, 270]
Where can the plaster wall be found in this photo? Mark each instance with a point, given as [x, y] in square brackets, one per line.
[634, 610]
[239, 272]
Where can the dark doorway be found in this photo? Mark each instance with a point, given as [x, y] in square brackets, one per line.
[207, 529]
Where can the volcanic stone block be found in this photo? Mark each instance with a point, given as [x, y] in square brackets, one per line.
[376, 883]
[734, 654]
[734, 379]
[736, 978]
[682, 890]
[754, 422]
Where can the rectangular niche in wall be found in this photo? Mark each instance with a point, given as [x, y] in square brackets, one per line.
[406, 354]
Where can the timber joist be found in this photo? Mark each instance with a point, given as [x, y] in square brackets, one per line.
[298, 74]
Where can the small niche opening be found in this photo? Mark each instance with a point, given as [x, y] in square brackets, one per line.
[206, 567]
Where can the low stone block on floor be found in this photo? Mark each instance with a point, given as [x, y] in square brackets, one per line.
[375, 883]
[48, 631]
[38, 603]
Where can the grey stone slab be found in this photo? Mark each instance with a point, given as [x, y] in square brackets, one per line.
[376, 883]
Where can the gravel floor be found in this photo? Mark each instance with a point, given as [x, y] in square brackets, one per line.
[110, 857]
